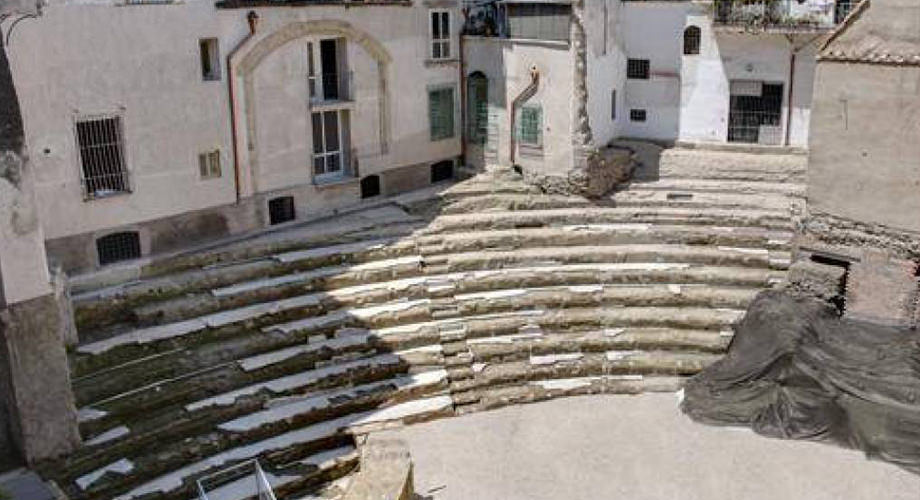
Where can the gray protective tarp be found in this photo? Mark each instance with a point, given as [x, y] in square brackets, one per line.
[795, 370]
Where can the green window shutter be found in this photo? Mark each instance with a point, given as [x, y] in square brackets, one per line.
[441, 113]
[531, 125]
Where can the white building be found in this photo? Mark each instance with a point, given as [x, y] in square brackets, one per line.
[154, 125]
[676, 71]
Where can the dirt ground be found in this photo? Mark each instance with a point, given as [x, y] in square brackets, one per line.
[632, 448]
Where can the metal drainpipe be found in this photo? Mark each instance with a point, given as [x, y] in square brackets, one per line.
[253, 19]
[534, 82]
[463, 98]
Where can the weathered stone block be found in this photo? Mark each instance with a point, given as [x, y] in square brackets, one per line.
[33, 362]
[812, 279]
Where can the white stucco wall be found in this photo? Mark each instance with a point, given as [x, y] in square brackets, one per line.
[725, 56]
[606, 68]
[653, 31]
[142, 63]
[507, 64]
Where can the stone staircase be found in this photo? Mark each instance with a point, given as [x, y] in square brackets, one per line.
[487, 293]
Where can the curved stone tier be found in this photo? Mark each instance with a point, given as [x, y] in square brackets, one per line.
[287, 346]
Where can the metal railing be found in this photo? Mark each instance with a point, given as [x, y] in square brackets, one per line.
[332, 87]
[780, 14]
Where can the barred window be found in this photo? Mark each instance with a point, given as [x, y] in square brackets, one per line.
[102, 157]
[209, 164]
[118, 247]
[637, 115]
[440, 34]
[531, 125]
[441, 113]
[637, 69]
[692, 38]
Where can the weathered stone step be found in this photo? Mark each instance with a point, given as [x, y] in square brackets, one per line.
[170, 481]
[608, 234]
[106, 306]
[690, 199]
[728, 165]
[262, 416]
[377, 223]
[580, 365]
[523, 345]
[640, 253]
[146, 342]
[509, 219]
[540, 390]
[286, 286]
[698, 185]
[172, 391]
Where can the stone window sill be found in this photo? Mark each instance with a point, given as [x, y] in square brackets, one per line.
[441, 62]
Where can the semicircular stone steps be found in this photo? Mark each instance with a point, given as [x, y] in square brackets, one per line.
[285, 347]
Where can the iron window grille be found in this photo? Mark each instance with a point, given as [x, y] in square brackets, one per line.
[102, 159]
[692, 40]
[440, 34]
[118, 247]
[638, 115]
[842, 9]
[638, 69]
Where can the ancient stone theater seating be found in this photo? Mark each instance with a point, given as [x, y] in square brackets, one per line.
[458, 299]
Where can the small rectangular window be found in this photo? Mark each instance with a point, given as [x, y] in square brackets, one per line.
[531, 125]
[117, 247]
[441, 113]
[209, 164]
[442, 171]
[281, 210]
[102, 157]
[210, 58]
[613, 105]
[637, 69]
[637, 115]
[440, 34]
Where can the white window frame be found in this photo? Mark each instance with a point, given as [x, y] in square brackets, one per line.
[444, 41]
[340, 152]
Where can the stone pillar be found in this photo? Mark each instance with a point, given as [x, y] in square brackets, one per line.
[37, 401]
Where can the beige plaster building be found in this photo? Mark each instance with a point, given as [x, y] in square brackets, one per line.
[157, 125]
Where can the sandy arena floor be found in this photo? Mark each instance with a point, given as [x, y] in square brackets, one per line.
[632, 448]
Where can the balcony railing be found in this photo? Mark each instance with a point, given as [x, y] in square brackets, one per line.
[789, 15]
[330, 88]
